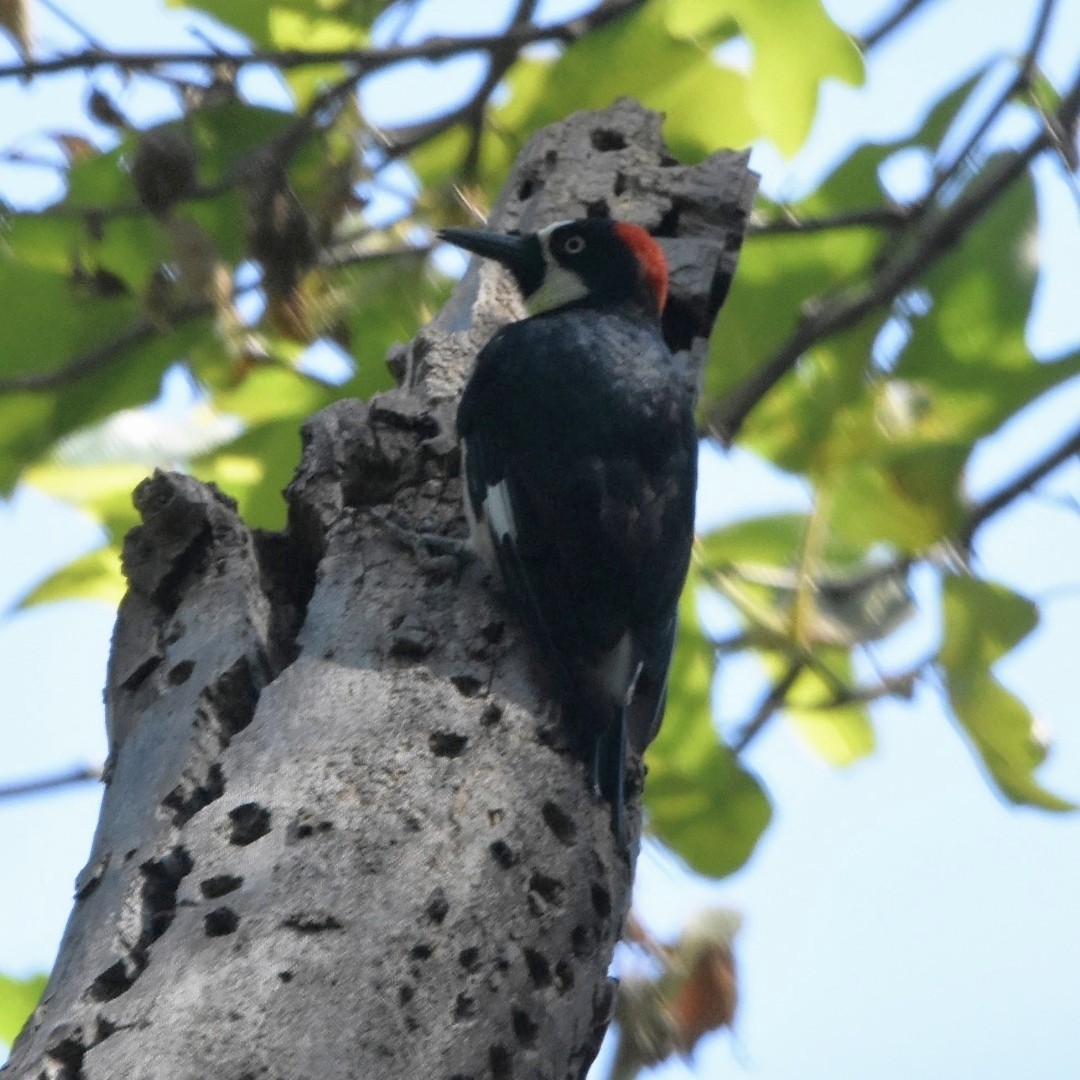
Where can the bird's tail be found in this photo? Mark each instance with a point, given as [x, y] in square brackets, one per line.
[603, 747]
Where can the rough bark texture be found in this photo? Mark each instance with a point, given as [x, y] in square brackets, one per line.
[341, 837]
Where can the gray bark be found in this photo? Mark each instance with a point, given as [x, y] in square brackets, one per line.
[341, 837]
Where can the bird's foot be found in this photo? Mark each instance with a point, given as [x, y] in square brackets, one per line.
[433, 551]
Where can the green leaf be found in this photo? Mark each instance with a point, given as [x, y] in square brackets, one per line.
[94, 576]
[1045, 95]
[820, 414]
[291, 27]
[53, 310]
[25, 421]
[786, 75]
[983, 622]
[774, 540]
[388, 303]
[254, 469]
[841, 734]
[271, 393]
[306, 25]
[777, 274]
[636, 55]
[663, 55]
[939, 120]
[102, 180]
[100, 351]
[18, 999]
[102, 490]
[907, 497]
[436, 161]
[132, 376]
[700, 800]
[968, 354]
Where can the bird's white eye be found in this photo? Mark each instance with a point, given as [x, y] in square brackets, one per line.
[574, 245]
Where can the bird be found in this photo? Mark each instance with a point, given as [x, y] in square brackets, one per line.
[579, 456]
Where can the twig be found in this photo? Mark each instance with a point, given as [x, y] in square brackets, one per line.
[880, 217]
[396, 144]
[95, 359]
[71, 24]
[363, 60]
[500, 62]
[772, 701]
[843, 310]
[877, 34]
[401, 141]
[1018, 83]
[80, 774]
[1019, 485]
[733, 643]
[899, 685]
[349, 255]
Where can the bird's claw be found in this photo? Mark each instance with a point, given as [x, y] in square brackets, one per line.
[433, 551]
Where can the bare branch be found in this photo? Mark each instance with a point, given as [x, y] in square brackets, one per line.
[501, 62]
[352, 255]
[936, 236]
[877, 217]
[96, 359]
[363, 60]
[71, 24]
[900, 685]
[402, 140]
[1019, 82]
[79, 774]
[982, 511]
[770, 704]
[876, 34]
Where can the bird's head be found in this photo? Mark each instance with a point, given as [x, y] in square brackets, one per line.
[594, 261]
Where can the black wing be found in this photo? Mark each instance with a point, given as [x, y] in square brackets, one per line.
[580, 459]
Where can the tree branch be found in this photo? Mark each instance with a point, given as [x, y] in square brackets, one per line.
[1018, 83]
[770, 704]
[401, 141]
[982, 511]
[364, 61]
[97, 358]
[877, 34]
[878, 217]
[936, 236]
[79, 774]
[501, 62]
[71, 23]
[900, 685]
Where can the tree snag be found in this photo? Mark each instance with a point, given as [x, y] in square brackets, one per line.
[341, 836]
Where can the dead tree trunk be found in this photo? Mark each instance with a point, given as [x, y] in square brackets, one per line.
[340, 836]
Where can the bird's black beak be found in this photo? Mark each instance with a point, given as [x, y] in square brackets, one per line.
[514, 252]
[521, 255]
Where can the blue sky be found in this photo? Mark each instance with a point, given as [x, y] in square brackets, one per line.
[900, 920]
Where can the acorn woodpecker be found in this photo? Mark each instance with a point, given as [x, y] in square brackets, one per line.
[579, 454]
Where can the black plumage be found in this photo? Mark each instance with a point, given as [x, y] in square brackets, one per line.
[580, 457]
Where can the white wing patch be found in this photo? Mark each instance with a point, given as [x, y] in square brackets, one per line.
[498, 512]
[618, 674]
[495, 521]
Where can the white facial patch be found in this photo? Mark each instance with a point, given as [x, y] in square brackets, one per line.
[560, 286]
